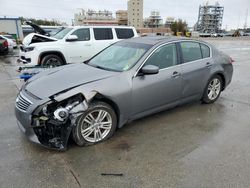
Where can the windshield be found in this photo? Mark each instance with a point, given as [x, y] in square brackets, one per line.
[119, 57]
[55, 31]
[62, 33]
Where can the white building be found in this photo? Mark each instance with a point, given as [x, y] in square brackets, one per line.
[11, 26]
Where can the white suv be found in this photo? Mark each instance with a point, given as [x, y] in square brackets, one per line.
[71, 45]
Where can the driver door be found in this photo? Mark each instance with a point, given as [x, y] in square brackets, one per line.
[158, 91]
[79, 50]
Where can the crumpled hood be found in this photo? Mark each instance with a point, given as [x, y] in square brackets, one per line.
[37, 37]
[56, 80]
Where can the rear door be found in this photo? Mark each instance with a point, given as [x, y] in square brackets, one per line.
[196, 64]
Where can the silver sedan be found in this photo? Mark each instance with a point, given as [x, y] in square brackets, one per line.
[126, 81]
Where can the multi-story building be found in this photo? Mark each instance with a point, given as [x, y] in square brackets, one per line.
[210, 18]
[154, 20]
[135, 13]
[122, 17]
[169, 22]
[91, 17]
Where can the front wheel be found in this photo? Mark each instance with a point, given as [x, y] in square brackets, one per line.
[51, 61]
[213, 90]
[95, 125]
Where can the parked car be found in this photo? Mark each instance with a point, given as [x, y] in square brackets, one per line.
[221, 34]
[246, 34]
[4, 49]
[71, 45]
[126, 81]
[214, 35]
[11, 41]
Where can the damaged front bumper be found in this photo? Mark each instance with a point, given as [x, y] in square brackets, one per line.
[49, 131]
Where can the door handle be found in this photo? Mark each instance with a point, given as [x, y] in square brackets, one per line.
[208, 65]
[176, 74]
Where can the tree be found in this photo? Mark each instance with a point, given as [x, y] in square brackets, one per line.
[40, 21]
[179, 26]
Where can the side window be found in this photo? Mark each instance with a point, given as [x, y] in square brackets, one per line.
[124, 33]
[103, 33]
[205, 51]
[82, 34]
[191, 51]
[163, 57]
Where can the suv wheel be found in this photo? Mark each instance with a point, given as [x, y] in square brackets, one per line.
[51, 61]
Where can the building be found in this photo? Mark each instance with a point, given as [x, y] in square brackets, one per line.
[11, 26]
[135, 13]
[210, 18]
[169, 22]
[91, 17]
[154, 20]
[122, 17]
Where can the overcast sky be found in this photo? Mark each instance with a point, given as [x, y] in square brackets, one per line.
[63, 10]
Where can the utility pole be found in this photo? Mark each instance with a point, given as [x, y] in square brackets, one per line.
[245, 25]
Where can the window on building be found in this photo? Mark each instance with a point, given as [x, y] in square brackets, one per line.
[103, 33]
[124, 33]
[191, 51]
[82, 34]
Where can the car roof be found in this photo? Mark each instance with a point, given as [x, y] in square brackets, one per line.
[100, 26]
[158, 40]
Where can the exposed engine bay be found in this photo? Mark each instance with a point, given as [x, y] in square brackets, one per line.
[53, 121]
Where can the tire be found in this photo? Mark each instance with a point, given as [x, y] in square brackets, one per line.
[212, 90]
[51, 61]
[84, 123]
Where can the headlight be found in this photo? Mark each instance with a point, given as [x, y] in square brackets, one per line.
[28, 49]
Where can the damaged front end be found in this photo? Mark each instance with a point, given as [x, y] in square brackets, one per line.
[52, 122]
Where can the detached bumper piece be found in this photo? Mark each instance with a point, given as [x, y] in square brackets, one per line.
[23, 60]
[53, 136]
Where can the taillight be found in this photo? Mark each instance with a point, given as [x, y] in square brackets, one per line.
[231, 60]
[5, 44]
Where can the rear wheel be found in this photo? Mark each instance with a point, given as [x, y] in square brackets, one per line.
[51, 61]
[213, 90]
[95, 125]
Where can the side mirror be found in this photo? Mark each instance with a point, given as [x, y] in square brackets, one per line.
[149, 69]
[71, 38]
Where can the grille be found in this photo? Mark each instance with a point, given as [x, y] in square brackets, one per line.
[22, 103]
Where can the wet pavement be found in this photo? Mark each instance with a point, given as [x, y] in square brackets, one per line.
[192, 146]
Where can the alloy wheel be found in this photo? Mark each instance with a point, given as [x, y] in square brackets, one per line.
[214, 89]
[96, 125]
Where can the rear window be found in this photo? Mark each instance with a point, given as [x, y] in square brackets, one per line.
[124, 33]
[205, 51]
[103, 33]
[191, 51]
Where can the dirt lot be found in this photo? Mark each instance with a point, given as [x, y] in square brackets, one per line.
[190, 146]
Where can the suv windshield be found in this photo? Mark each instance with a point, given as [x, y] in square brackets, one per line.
[62, 33]
[56, 31]
[119, 57]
